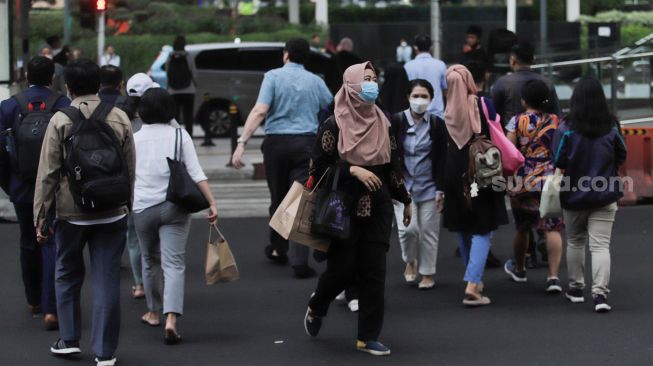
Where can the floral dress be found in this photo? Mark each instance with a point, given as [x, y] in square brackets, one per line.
[534, 139]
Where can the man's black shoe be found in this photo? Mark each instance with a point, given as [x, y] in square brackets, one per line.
[65, 348]
[275, 257]
[304, 271]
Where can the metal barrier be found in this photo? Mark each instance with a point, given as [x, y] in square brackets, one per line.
[639, 164]
[598, 62]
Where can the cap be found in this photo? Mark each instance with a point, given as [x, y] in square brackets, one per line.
[139, 83]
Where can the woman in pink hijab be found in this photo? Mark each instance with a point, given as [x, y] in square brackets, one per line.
[474, 222]
[356, 141]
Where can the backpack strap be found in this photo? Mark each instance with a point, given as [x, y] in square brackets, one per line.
[23, 103]
[101, 112]
[52, 100]
[74, 114]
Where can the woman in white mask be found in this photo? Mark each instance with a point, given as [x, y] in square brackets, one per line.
[422, 144]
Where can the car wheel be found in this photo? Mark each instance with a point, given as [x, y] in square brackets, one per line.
[217, 122]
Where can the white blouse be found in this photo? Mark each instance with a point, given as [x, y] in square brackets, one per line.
[154, 143]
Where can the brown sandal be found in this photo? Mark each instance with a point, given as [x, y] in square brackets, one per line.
[476, 300]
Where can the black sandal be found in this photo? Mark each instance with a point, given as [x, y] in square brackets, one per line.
[171, 337]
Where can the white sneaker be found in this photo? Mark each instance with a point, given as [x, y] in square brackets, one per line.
[341, 296]
[353, 306]
[110, 362]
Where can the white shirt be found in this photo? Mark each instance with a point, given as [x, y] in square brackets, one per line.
[154, 143]
[424, 66]
[107, 59]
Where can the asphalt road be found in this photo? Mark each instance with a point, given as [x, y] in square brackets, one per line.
[258, 320]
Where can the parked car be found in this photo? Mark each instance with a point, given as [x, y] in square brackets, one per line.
[227, 73]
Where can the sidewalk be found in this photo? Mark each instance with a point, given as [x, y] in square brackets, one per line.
[235, 190]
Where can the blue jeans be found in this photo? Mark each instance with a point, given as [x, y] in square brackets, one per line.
[474, 250]
[106, 243]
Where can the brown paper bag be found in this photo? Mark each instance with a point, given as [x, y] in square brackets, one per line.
[301, 228]
[284, 217]
[220, 263]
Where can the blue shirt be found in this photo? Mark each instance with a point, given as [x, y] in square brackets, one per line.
[418, 167]
[424, 66]
[295, 97]
[109, 95]
[19, 191]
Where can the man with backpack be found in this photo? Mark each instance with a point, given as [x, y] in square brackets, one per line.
[21, 116]
[87, 165]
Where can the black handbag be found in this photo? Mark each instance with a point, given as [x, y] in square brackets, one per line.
[182, 189]
[332, 217]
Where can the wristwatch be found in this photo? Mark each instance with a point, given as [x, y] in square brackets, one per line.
[241, 140]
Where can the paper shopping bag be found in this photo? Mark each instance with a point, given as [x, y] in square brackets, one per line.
[220, 263]
[301, 229]
[284, 217]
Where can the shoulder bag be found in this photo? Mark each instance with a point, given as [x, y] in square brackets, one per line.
[182, 189]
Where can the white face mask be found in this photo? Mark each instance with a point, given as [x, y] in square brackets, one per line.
[419, 105]
[404, 44]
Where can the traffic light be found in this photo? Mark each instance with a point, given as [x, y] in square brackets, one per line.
[87, 11]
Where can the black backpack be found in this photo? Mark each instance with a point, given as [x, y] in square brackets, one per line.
[95, 165]
[179, 74]
[30, 130]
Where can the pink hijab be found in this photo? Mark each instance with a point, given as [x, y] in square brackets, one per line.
[462, 117]
[364, 138]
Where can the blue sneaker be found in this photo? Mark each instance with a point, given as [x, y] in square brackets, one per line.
[511, 269]
[373, 347]
[312, 323]
[601, 304]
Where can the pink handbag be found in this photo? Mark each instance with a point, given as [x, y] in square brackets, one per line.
[511, 158]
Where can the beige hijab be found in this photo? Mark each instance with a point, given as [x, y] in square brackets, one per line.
[462, 117]
[364, 138]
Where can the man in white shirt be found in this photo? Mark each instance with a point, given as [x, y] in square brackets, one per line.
[110, 57]
[426, 67]
[404, 52]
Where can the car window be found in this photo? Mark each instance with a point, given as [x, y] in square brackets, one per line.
[245, 59]
[223, 59]
[260, 59]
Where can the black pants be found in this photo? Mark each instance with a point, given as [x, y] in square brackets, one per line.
[286, 159]
[362, 263]
[36, 262]
[185, 104]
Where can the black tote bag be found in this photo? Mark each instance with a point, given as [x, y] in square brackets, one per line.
[182, 189]
[332, 218]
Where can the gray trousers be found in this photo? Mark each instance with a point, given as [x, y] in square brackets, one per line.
[106, 242]
[593, 228]
[163, 231]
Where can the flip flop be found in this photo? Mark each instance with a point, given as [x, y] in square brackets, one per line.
[473, 301]
[171, 337]
[150, 324]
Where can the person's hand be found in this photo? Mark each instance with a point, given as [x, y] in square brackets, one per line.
[408, 214]
[40, 238]
[237, 158]
[369, 180]
[439, 202]
[213, 213]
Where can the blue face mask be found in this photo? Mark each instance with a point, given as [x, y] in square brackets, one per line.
[369, 91]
